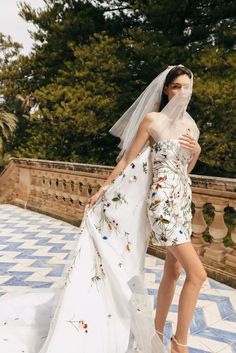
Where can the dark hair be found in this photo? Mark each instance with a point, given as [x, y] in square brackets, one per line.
[171, 76]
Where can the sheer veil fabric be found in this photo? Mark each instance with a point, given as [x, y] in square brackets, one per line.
[103, 306]
[171, 122]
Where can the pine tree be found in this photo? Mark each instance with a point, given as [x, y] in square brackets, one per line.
[93, 58]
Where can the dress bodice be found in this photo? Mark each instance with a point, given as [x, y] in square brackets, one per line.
[170, 157]
[169, 197]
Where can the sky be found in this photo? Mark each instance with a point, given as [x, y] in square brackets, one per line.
[12, 24]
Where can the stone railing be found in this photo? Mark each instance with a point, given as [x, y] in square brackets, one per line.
[58, 189]
[61, 189]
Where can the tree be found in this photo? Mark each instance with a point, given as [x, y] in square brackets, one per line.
[91, 59]
[9, 51]
[60, 25]
[7, 126]
[214, 108]
[78, 108]
[200, 35]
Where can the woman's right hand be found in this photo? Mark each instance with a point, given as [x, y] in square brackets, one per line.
[92, 200]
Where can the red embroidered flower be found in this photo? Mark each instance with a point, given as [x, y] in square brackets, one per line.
[161, 179]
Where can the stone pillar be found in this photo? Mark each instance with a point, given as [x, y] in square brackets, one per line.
[218, 230]
[23, 187]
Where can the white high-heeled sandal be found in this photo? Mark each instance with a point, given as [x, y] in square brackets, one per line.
[160, 334]
[177, 343]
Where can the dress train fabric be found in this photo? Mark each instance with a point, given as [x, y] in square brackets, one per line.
[104, 306]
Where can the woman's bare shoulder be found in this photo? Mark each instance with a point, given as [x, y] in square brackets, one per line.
[150, 117]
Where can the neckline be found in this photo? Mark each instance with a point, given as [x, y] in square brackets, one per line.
[158, 142]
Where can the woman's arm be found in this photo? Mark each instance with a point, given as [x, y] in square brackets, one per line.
[189, 142]
[140, 140]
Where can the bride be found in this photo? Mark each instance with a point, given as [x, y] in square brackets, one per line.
[104, 306]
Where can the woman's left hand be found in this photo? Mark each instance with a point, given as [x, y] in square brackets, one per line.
[190, 143]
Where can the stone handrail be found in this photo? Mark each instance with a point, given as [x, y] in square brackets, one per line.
[61, 189]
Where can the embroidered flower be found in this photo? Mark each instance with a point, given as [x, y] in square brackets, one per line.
[79, 325]
[162, 179]
[119, 198]
[163, 238]
[132, 178]
[84, 325]
[128, 246]
[145, 167]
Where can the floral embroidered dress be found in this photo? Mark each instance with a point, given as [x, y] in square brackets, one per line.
[103, 306]
[169, 197]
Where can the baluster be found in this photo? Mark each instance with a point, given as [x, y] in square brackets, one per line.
[218, 230]
[52, 181]
[59, 182]
[198, 226]
[66, 184]
[231, 256]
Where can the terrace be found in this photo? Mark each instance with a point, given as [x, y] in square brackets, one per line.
[41, 205]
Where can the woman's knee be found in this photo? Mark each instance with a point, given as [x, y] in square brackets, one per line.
[172, 267]
[197, 277]
[188, 258]
[173, 273]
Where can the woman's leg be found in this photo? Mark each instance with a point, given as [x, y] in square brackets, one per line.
[172, 269]
[195, 276]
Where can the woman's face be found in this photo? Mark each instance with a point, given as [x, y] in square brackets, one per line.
[180, 83]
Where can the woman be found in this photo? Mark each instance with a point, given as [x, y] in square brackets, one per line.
[174, 154]
[104, 307]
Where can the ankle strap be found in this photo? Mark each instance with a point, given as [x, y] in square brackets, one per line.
[160, 333]
[177, 343]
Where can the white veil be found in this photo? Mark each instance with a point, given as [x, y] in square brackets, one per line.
[168, 124]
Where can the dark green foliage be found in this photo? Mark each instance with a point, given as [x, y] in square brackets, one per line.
[92, 59]
[79, 107]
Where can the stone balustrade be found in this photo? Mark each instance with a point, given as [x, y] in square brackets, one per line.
[58, 189]
[61, 189]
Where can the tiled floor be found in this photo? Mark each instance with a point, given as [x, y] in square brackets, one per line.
[34, 250]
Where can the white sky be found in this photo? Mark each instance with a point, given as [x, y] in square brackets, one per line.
[12, 24]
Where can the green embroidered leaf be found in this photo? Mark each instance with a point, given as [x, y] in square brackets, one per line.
[115, 199]
[163, 220]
